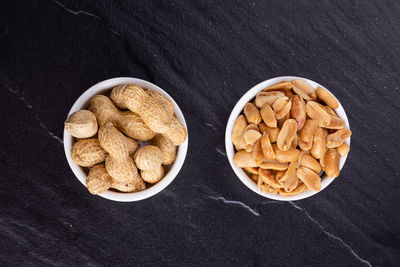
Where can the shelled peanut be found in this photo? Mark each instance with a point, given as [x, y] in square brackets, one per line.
[110, 133]
[287, 136]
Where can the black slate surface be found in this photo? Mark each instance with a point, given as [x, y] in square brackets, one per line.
[206, 55]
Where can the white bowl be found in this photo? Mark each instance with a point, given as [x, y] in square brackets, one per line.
[230, 148]
[80, 173]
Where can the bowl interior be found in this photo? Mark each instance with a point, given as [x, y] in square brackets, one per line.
[231, 151]
[103, 88]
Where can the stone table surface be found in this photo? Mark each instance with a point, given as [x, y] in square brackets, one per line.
[206, 55]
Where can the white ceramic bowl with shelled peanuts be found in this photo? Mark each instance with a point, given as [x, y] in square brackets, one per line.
[230, 150]
[81, 173]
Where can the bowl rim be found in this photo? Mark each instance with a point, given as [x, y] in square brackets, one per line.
[82, 102]
[250, 94]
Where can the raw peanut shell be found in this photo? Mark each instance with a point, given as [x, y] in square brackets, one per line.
[327, 97]
[152, 176]
[331, 163]
[268, 116]
[125, 121]
[309, 178]
[163, 100]
[88, 152]
[117, 97]
[148, 157]
[343, 149]
[252, 114]
[318, 148]
[167, 148]
[337, 138]
[266, 147]
[286, 135]
[81, 124]
[298, 111]
[316, 111]
[238, 131]
[279, 86]
[151, 111]
[244, 159]
[176, 132]
[98, 180]
[308, 161]
[267, 97]
[282, 107]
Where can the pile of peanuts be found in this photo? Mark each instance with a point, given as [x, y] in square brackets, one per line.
[287, 136]
[108, 132]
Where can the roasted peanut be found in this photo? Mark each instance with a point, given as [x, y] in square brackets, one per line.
[252, 114]
[282, 107]
[152, 176]
[167, 148]
[308, 161]
[318, 148]
[343, 149]
[330, 111]
[298, 111]
[299, 189]
[289, 93]
[336, 123]
[81, 124]
[305, 145]
[273, 134]
[251, 134]
[268, 115]
[309, 178]
[331, 163]
[337, 138]
[282, 120]
[268, 177]
[266, 188]
[163, 100]
[244, 159]
[279, 175]
[289, 155]
[238, 130]
[262, 127]
[254, 177]
[273, 165]
[308, 131]
[151, 111]
[127, 122]
[118, 163]
[117, 97]
[279, 86]
[176, 132]
[266, 147]
[295, 141]
[287, 134]
[148, 157]
[257, 152]
[267, 97]
[327, 97]
[251, 170]
[290, 180]
[303, 89]
[317, 111]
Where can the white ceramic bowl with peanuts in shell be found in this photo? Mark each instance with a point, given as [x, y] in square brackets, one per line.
[230, 149]
[81, 173]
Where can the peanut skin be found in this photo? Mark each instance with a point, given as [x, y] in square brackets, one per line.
[298, 111]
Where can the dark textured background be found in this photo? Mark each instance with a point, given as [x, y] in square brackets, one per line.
[206, 55]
